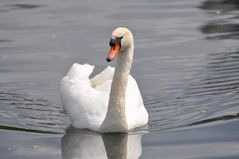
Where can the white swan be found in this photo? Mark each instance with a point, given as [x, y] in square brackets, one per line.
[110, 101]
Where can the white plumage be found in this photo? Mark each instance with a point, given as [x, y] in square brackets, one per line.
[86, 100]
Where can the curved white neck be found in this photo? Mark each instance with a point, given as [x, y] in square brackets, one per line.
[115, 119]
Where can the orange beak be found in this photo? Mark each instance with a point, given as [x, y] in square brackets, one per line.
[113, 52]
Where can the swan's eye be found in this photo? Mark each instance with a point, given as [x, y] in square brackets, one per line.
[115, 40]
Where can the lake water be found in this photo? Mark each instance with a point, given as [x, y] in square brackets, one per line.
[186, 64]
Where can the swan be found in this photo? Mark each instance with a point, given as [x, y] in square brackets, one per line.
[110, 101]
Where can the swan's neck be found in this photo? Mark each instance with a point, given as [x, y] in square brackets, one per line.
[115, 119]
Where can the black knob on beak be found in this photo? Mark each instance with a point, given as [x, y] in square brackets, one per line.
[112, 42]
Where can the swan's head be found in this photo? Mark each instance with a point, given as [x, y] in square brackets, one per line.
[120, 42]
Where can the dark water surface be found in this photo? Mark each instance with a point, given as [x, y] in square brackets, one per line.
[186, 64]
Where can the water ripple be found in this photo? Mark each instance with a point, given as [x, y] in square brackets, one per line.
[185, 88]
[204, 92]
[36, 114]
[212, 97]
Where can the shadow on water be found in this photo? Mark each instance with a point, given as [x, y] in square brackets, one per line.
[226, 25]
[19, 6]
[223, 5]
[226, 117]
[3, 41]
[87, 144]
[14, 128]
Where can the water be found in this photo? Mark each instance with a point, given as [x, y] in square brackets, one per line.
[186, 64]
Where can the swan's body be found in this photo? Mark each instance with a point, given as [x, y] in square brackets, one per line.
[110, 101]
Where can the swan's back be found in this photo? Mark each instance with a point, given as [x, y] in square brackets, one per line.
[85, 105]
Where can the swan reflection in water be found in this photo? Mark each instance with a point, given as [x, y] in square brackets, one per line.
[91, 145]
